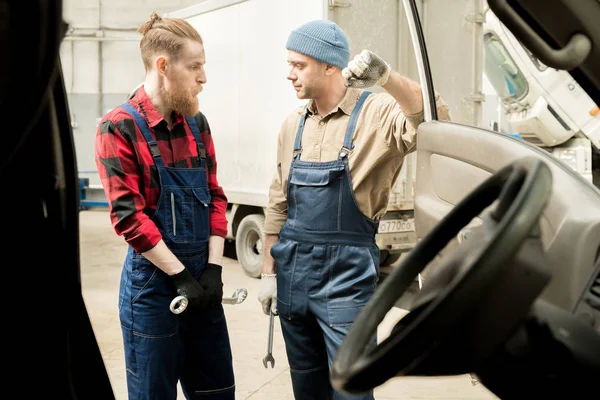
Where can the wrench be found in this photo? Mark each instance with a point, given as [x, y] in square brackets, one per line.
[180, 303]
[269, 357]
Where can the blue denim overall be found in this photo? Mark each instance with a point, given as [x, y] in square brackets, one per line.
[162, 348]
[327, 266]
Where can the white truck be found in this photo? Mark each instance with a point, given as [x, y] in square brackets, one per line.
[247, 97]
[543, 105]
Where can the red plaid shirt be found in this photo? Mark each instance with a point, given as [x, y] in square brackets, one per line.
[130, 177]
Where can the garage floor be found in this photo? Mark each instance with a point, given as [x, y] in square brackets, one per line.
[102, 253]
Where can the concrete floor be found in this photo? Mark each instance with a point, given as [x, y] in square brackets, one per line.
[102, 253]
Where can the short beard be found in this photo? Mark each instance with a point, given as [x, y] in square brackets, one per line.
[182, 102]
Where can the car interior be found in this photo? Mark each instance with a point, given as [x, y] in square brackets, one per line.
[509, 236]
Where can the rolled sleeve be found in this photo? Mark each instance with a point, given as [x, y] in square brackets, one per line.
[407, 124]
[443, 109]
[118, 169]
[399, 129]
[406, 128]
[218, 204]
[277, 208]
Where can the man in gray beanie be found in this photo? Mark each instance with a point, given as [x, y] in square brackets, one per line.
[337, 160]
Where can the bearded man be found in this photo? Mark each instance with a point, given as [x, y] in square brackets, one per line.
[157, 164]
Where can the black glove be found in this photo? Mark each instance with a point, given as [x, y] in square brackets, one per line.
[189, 287]
[212, 284]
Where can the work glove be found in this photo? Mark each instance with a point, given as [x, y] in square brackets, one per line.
[189, 287]
[365, 70]
[212, 284]
[267, 294]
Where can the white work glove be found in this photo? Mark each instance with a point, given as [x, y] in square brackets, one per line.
[267, 294]
[365, 70]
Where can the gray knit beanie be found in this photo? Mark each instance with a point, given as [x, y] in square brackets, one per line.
[322, 40]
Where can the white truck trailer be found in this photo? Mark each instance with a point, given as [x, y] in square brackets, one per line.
[247, 97]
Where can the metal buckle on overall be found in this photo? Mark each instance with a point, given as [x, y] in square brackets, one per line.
[345, 151]
[154, 149]
[296, 153]
[201, 151]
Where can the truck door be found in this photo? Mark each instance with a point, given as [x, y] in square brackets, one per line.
[454, 158]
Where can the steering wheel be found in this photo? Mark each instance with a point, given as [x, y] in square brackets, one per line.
[521, 190]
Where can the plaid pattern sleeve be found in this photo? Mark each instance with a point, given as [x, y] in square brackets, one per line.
[122, 176]
[218, 209]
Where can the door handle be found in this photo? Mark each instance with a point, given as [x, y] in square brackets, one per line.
[572, 55]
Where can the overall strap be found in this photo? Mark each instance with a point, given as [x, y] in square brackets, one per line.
[196, 132]
[348, 146]
[141, 123]
[298, 141]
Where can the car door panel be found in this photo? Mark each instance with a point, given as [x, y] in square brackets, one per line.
[40, 206]
[452, 159]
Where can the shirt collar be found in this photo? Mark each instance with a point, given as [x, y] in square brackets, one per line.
[153, 117]
[346, 105]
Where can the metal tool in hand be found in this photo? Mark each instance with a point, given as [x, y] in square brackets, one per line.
[180, 303]
[269, 357]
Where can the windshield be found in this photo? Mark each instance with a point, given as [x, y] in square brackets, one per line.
[501, 70]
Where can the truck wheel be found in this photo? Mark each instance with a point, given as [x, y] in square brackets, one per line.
[249, 244]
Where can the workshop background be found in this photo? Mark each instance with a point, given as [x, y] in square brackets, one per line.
[101, 64]
[101, 58]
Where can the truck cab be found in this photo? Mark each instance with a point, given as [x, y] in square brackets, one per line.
[542, 105]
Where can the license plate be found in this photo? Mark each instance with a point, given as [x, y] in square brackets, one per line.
[396, 225]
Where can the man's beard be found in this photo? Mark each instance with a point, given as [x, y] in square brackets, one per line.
[181, 101]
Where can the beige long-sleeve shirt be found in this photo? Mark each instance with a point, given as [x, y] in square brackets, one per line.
[383, 137]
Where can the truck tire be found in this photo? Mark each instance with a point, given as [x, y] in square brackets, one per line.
[249, 244]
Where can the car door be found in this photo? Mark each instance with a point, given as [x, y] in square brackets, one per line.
[51, 346]
[454, 158]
